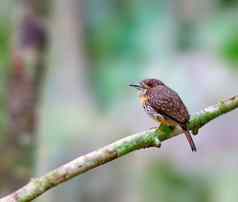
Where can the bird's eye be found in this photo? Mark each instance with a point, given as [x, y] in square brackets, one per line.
[149, 84]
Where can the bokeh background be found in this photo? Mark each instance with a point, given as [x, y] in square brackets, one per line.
[65, 66]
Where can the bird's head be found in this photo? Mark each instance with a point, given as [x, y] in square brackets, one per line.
[146, 84]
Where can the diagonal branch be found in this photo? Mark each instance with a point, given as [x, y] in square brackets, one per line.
[146, 139]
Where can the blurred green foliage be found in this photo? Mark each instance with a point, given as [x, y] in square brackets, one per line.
[4, 68]
[223, 33]
[227, 3]
[186, 37]
[115, 42]
[230, 48]
[165, 182]
[112, 45]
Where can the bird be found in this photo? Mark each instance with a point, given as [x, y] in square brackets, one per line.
[164, 105]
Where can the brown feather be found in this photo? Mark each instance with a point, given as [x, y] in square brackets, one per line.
[190, 140]
[166, 101]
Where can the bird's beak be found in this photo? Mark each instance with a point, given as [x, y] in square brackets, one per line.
[138, 86]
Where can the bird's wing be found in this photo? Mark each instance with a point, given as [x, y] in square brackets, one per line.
[167, 102]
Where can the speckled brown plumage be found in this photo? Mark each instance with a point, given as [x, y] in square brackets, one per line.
[166, 102]
[164, 105]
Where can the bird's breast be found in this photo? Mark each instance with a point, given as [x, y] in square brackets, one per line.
[157, 116]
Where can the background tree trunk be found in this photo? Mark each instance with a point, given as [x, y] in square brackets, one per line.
[26, 74]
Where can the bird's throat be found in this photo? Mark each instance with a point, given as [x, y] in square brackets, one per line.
[143, 99]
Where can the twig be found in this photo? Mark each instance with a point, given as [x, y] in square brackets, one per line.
[146, 139]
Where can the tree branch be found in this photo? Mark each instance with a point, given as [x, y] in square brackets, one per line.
[146, 139]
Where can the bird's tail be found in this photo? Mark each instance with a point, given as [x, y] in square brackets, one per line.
[190, 140]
